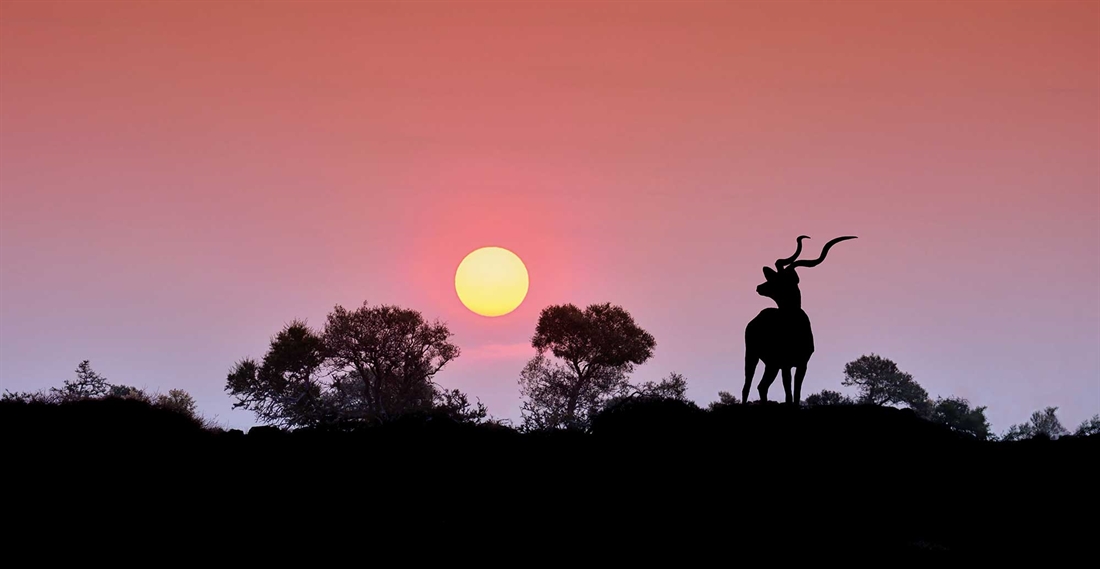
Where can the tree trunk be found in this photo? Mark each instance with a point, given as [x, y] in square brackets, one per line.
[574, 395]
[368, 388]
[571, 408]
[379, 405]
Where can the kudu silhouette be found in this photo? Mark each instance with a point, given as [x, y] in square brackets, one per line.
[781, 337]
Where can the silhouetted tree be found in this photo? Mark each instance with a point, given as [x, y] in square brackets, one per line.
[386, 357]
[545, 385]
[87, 385]
[368, 364]
[1047, 423]
[956, 413]
[725, 398]
[1044, 424]
[285, 388]
[827, 397]
[672, 387]
[177, 400]
[1088, 427]
[456, 405]
[593, 351]
[880, 382]
[130, 392]
[126, 392]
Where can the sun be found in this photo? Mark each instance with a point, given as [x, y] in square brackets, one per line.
[491, 281]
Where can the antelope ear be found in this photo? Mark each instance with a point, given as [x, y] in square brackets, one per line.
[769, 274]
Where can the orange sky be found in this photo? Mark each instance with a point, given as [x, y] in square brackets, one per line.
[177, 180]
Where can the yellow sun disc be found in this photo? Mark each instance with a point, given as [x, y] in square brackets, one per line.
[491, 281]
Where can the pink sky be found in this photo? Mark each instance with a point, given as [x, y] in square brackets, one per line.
[177, 180]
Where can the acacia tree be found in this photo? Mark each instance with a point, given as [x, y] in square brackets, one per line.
[387, 357]
[371, 363]
[880, 382]
[584, 359]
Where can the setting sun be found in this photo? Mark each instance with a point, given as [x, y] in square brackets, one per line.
[491, 281]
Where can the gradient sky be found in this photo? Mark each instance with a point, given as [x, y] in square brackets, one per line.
[178, 180]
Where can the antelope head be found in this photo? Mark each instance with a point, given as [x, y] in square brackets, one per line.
[781, 284]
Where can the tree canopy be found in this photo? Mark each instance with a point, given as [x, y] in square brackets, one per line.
[957, 414]
[827, 397]
[725, 399]
[285, 388]
[880, 382]
[584, 359]
[1043, 424]
[88, 384]
[1088, 427]
[369, 364]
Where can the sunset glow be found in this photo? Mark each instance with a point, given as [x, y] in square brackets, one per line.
[178, 179]
[491, 281]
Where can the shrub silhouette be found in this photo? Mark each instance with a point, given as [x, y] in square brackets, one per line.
[647, 417]
[108, 420]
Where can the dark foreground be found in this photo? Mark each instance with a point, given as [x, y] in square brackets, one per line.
[738, 484]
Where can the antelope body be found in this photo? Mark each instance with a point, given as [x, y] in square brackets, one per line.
[781, 337]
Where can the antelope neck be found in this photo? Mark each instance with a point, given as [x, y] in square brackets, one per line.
[793, 302]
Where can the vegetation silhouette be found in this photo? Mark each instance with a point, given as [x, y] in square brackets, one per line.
[358, 440]
[369, 364]
[583, 361]
[856, 479]
[781, 337]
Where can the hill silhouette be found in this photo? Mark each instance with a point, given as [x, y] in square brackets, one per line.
[750, 480]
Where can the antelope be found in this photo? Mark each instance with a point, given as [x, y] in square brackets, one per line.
[781, 337]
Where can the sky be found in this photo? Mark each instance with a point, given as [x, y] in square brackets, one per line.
[179, 180]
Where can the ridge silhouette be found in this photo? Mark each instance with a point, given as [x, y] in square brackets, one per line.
[856, 480]
[782, 337]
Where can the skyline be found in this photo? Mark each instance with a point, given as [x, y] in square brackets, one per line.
[177, 182]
